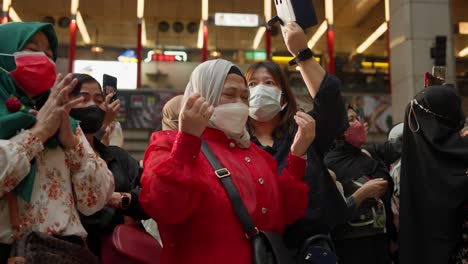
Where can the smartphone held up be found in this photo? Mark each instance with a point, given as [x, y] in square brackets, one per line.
[109, 84]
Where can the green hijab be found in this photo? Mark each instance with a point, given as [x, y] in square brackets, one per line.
[14, 37]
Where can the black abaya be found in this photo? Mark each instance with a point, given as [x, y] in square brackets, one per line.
[434, 180]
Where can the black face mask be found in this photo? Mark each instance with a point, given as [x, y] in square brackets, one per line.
[91, 118]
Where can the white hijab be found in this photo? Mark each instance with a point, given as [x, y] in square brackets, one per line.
[208, 80]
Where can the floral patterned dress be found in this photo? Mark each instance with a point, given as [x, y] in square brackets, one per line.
[67, 181]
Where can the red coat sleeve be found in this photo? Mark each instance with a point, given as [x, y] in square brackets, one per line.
[170, 183]
[293, 189]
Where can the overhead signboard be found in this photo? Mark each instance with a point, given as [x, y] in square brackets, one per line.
[167, 55]
[128, 56]
[236, 20]
[255, 55]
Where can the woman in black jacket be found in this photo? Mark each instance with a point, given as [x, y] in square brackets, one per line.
[272, 125]
[123, 207]
[365, 236]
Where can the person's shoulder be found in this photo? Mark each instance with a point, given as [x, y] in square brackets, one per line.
[163, 138]
[164, 134]
[118, 151]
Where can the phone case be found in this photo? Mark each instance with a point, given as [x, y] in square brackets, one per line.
[300, 11]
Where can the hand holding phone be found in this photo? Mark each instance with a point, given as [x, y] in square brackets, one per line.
[109, 84]
[436, 78]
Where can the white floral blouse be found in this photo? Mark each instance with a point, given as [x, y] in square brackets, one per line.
[67, 182]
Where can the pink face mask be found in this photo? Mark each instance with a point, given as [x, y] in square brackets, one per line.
[356, 134]
[35, 73]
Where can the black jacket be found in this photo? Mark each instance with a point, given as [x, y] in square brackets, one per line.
[127, 173]
[350, 164]
[326, 205]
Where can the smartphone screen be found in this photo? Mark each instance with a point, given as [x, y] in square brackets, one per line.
[110, 86]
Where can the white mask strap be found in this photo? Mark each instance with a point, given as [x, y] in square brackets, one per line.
[5, 54]
[410, 114]
[284, 106]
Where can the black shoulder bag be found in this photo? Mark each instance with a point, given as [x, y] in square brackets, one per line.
[267, 247]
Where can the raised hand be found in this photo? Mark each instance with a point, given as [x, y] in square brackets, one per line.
[294, 38]
[305, 134]
[195, 115]
[112, 110]
[49, 117]
[66, 136]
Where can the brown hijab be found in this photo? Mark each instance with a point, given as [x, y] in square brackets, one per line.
[171, 110]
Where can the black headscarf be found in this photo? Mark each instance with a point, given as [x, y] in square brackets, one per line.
[434, 180]
[83, 78]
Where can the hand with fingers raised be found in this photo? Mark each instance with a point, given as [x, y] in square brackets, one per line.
[112, 110]
[49, 117]
[66, 136]
[305, 134]
[195, 115]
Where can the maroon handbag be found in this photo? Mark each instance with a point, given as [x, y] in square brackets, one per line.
[130, 244]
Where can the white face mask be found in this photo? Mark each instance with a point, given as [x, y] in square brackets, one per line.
[230, 118]
[265, 102]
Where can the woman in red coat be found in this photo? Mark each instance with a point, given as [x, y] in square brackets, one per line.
[184, 196]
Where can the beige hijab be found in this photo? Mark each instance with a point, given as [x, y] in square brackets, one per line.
[171, 110]
[208, 80]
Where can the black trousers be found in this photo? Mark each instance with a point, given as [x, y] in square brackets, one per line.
[4, 253]
[364, 250]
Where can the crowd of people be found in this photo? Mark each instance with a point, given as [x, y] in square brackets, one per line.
[298, 174]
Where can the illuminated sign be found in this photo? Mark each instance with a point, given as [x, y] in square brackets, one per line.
[167, 55]
[375, 64]
[255, 55]
[236, 20]
[286, 59]
[128, 56]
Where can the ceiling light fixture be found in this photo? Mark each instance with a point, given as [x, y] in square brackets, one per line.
[6, 5]
[329, 11]
[387, 10]
[463, 52]
[318, 34]
[74, 7]
[258, 37]
[144, 39]
[82, 28]
[267, 10]
[13, 15]
[140, 8]
[204, 13]
[261, 30]
[200, 35]
[372, 38]
[97, 49]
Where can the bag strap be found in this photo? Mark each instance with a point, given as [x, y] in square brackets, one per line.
[224, 176]
[14, 215]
